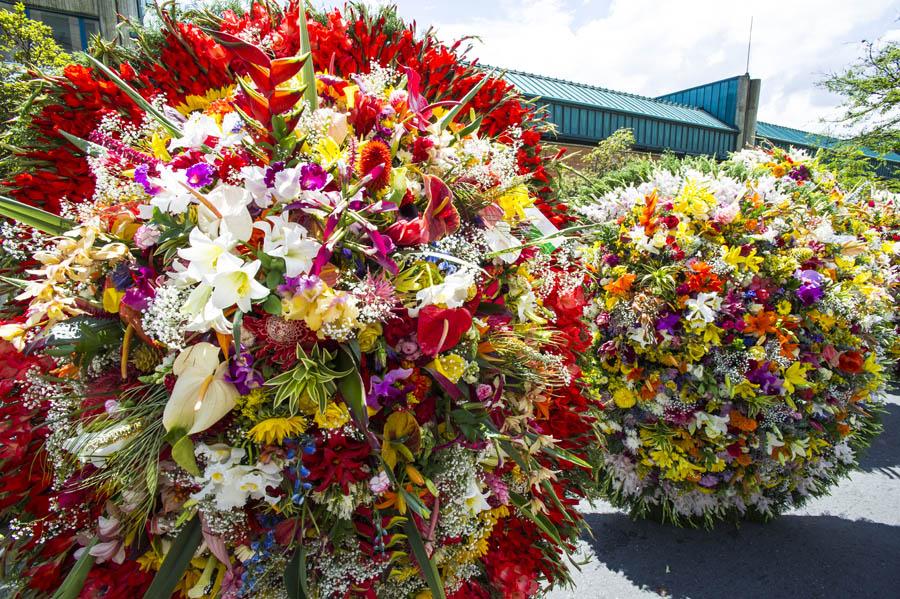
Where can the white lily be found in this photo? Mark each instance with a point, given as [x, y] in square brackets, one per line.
[201, 396]
[202, 314]
[289, 241]
[204, 253]
[231, 202]
[235, 283]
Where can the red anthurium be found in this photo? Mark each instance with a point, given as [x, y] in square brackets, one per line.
[440, 329]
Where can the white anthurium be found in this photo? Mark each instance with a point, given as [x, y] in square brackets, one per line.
[452, 292]
[236, 283]
[195, 130]
[201, 396]
[289, 241]
[172, 198]
[499, 238]
[231, 202]
[204, 253]
[254, 178]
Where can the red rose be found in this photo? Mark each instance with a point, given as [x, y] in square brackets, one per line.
[851, 361]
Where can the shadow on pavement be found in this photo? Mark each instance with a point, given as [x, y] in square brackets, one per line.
[796, 557]
[884, 454]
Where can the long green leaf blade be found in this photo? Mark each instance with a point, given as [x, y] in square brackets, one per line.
[451, 114]
[429, 570]
[176, 562]
[309, 70]
[137, 98]
[34, 217]
[72, 585]
[351, 387]
[295, 575]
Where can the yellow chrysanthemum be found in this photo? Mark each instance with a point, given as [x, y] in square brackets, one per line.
[273, 431]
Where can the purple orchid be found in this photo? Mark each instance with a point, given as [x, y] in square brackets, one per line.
[384, 388]
[139, 294]
[200, 175]
[242, 375]
[668, 323]
[142, 177]
[768, 383]
[313, 177]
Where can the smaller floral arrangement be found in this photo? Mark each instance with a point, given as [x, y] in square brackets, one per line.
[743, 322]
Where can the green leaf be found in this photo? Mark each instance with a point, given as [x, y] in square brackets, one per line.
[309, 71]
[183, 454]
[177, 561]
[541, 520]
[272, 305]
[34, 217]
[351, 387]
[429, 570]
[451, 114]
[88, 147]
[135, 96]
[295, 575]
[71, 586]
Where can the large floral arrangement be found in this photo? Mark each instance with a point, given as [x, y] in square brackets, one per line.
[742, 315]
[289, 335]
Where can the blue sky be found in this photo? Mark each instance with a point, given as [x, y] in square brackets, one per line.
[652, 47]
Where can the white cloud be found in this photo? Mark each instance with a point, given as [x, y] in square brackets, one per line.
[652, 47]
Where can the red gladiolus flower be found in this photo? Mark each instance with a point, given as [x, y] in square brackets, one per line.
[440, 329]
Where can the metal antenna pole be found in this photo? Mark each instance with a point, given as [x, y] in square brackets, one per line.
[749, 41]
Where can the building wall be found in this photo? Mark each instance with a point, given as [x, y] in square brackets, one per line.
[75, 21]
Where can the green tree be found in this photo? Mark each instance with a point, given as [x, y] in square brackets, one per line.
[24, 45]
[871, 91]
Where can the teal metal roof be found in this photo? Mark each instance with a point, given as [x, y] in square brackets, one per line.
[582, 94]
[781, 135]
[718, 98]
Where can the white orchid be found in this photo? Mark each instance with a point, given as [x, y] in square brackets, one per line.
[195, 130]
[231, 483]
[452, 293]
[475, 498]
[287, 184]
[235, 283]
[201, 396]
[173, 197]
[204, 253]
[254, 178]
[704, 306]
[289, 241]
[233, 218]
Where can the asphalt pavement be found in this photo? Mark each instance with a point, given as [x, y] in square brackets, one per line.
[846, 545]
